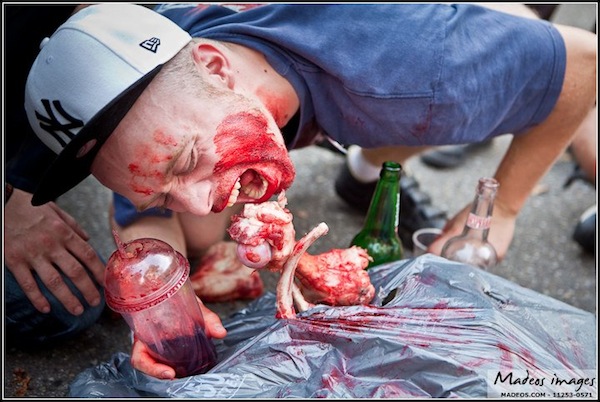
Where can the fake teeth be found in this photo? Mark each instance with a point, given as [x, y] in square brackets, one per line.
[252, 190]
[235, 193]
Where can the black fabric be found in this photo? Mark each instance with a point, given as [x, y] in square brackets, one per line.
[289, 130]
[26, 157]
[545, 11]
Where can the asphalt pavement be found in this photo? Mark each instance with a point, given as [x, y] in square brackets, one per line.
[543, 256]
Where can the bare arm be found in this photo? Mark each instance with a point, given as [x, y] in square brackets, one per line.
[531, 155]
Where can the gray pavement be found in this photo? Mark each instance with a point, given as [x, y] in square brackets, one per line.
[542, 257]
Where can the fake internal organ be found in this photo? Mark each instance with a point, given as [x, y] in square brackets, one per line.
[220, 276]
[264, 233]
[266, 239]
[337, 277]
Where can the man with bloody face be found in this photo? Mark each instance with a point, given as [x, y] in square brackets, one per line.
[193, 111]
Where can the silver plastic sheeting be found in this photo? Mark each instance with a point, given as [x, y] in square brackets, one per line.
[435, 329]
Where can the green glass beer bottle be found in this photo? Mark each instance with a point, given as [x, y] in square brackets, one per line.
[379, 234]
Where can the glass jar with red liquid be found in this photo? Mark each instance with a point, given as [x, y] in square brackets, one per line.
[147, 282]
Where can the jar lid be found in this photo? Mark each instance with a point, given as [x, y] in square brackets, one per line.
[143, 273]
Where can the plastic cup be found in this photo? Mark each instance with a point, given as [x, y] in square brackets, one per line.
[148, 283]
[423, 238]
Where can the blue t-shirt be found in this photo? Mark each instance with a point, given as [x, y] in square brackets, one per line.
[392, 74]
[397, 74]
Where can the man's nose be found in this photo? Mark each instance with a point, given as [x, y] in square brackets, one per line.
[194, 198]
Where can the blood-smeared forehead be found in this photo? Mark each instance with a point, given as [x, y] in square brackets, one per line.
[245, 138]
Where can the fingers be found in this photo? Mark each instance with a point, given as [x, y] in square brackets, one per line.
[213, 325]
[85, 257]
[52, 279]
[29, 286]
[47, 241]
[144, 362]
[70, 254]
[453, 227]
[80, 248]
[50, 274]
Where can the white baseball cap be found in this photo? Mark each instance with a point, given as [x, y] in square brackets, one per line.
[87, 76]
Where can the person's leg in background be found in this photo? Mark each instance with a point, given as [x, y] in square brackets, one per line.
[583, 148]
[583, 151]
[192, 236]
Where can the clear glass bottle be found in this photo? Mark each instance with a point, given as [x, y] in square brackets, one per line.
[379, 234]
[147, 282]
[472, 246]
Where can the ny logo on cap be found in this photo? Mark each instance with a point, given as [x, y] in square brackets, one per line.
[53, 126]
[151, 44]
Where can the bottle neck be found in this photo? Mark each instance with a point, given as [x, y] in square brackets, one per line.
[480, 217]
[384, 211]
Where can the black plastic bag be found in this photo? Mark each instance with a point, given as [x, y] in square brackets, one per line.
[434, 329]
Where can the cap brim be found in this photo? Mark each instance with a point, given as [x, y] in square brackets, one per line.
[68, 169]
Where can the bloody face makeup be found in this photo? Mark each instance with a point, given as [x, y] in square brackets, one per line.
[196, 148]
[250, 155]
[180, 163]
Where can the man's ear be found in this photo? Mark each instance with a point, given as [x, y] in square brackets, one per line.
[213, 62]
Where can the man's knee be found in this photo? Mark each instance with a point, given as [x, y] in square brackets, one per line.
[26, 327]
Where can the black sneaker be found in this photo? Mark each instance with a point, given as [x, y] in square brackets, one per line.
[416, 209]
[577, 174]
[585, 230]
[451, 156]
[445, 158]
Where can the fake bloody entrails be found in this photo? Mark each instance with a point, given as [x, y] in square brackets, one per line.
[336, 277]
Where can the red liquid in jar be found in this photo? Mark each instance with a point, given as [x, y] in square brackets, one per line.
[188, 355]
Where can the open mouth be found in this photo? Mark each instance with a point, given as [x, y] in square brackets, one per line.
[249, 187]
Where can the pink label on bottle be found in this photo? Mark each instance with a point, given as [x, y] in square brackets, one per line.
[479, 222]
